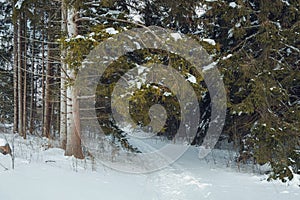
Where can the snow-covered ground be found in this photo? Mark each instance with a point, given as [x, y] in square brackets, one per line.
[45, 173]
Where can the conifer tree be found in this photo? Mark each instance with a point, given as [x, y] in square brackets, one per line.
[260, 41]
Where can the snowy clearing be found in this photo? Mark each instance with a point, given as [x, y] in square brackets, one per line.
[50, 175]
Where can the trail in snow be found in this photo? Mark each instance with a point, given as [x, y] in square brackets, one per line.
[211, 178]
[43, 173]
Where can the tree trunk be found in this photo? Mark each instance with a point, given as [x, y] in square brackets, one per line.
[15, 68]
[48, 91]
[24, 51]
[73, 134]
[20, 76]
[73, 138]
[32, 85]
[43, 73]
[63, 93]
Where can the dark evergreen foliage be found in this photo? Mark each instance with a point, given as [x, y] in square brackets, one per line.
[257, 51]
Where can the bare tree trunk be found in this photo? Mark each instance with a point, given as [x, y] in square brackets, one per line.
[24, 51]
[63, 93]
[20, 76]
[73, 147]
[15, 68]
[43, 72]
[48, 91]
[24, 101]
[73, 138]
[32, 85]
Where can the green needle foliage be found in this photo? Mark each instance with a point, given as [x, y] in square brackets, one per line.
[262, 78]
[257, 51]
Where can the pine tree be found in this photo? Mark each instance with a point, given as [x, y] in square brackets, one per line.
[262, 76]
[6, 40]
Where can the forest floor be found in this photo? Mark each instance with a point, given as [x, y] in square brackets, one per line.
[43, 173]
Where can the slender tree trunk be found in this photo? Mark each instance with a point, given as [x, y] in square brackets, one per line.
[73, 135]
[63, 93]
[43, 74]
[32, 87]
[15, 68]
[48, 94]
[24, 102]
[24, 51]
[73, 138]
[20, 76]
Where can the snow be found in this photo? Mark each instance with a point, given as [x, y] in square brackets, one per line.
[2, 142]
[141, 69]
[209, 41]
[138, 46]
[210, 66]
[19, 3]
[167, 94]
[134, 10]
[200, 10]
[230, 33]
[232, 4]
[42, 173]
[227, 57]
[114, 12]
[79, 37]
[111, 31]
[237, 25]
[294, 48]
[278, 67]
[137, 76]
[176, 36]
[286, 2]
[138, 19]
[191, 79]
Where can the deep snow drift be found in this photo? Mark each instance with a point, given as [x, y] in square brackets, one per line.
[45, 173]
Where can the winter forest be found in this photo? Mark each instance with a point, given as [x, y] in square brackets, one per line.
[154, 99]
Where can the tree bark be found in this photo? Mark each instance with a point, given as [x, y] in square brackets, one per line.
[43, 73]
[20, 76]
[32, 84]
[73, 147]
[73, 137]
[15, 68]
[48, 94]
[24, 53]
[63, 93]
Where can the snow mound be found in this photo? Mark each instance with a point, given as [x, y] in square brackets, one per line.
[2, 142]
[45, 173]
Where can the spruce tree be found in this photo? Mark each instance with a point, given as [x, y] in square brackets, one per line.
[260, 41]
